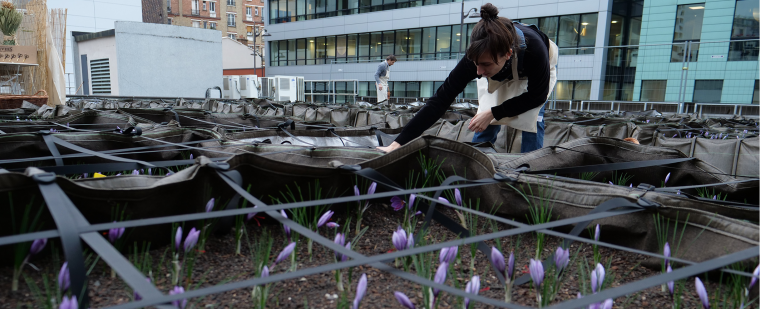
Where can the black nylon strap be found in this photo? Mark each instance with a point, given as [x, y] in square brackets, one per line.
[609, 166]
[674, 189]
[51, 146]
[292, 126]
[176, 116]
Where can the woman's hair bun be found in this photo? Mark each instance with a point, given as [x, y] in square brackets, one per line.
[489, 11]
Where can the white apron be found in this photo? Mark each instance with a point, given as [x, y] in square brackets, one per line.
[382, 95]
[492, 93]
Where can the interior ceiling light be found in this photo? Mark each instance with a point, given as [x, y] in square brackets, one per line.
[697, 7]
[614, 21]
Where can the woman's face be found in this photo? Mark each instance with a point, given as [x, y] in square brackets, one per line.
[487, 67]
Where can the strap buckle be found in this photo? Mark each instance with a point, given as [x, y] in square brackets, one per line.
[48, 177]
[646, 187]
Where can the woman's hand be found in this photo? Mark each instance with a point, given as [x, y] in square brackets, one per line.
[393, 146]
[481, 121]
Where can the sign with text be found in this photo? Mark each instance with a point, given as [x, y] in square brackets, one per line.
[24, 55]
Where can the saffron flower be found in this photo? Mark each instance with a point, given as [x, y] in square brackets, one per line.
[285, 253]
[180, 303]
[361, 289]
[403, 300]
[410, 241]
[536, 273]
[448, 254]
[473, 287]
[64, 278]
[666, 253]
[191, 239]
[443, 200]
[37, 246]
[250, 215]
[341, 240]
[440, 276]
[666, 178]
[458, 197]
[265, 272]
[702, 292]
[597, 278]
[755, 274]
[670, 283]
[324, 218]
[596, 233]
[210, 205]
[332, 225]
[135, 172]
[115, 233]
[561, 258]
[397, 203]
[399, 239]
[287, 228]
[69, 303]
[412, 197]
[178, 238]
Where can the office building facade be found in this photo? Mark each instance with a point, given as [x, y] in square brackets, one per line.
[624, 50]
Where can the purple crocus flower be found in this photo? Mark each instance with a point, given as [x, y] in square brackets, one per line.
[287, 228]
[607, 304]
[344, 257]
[324, 218]
[440, 276]
[180, 303]
[361, 289]
[37, 246]
[670, 283]
[443, 200]
[372, 188]
[561, 258]
[210, 205]
[332, 225]
[397, 203]
[403, 300]
[399, 239]
[511, 265]
[135, 172]
[69, 303]
[755, 274]
[611, 182]
[597, 278]
[497, 259]
[536, 273]
[178, 238]
[265, 272]
[64, 278]
[191, 156]
[448, 254]
[667, 178]
[666, 253]
[137, 296]
[115, 233]
[647, 120]
[596, 233]
[191, 239]
[285, 253]
[356, 191]
[458, 197]
[341, 240]
[702, 292]
[412, 197]
[250, 215]
[472, 287]
[410, 241]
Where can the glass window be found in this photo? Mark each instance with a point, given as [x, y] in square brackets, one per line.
[283, 14]
[274, 53]
[364, 6]
[428, 43]
[588, 33]
[615, 37]
[310, 50]
[300, 7]
[320, 50]
[353, 5]
[364, 46]
[756, 94]
[301, 51]
[455, 35]
[688, 28]
[529, 21]
[568, 34]
[363, 89]
[311, 8]
[321, 6]
[332, 6]
[291, 52]
[399, 89]
[340, 47]
[413, 89]
[330, 46]
[283, 57]
[653, 90]
[377, 5]
[469, 35]
[707, 91]
[389, 38]
[402, 39]
[351, 46]
[443, 42]
[745, 27]
[634, 31]
[426, 89]
[415, 43]
[375, 45]
[549, 26]
[273, 11]
[437, 85]
[471, 90]
[372, 89]
[582, 90]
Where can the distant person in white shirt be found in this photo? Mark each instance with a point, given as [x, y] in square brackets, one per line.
[382, 76]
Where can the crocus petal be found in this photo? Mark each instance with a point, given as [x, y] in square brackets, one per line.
[265, 272]
[397, 203]
[511, 264]
[440, 276]
[37, 246]
[356, 191]
[180, 303]
[191, 239]
[372, 188]
[210, 205]
[332, 225]
[410, 241]
[458, 197]
[64, 278]
[667, 178]
[536, 272]
[666, 252]
[135, 172]
[399, 239]
[607, 304]
[411, 201]
[702, 292]
[600, 275]
[561, 258]
[69, 303]
[596, 233]
[443, 200]
[473, 287]
[670, 283]
[178, 238]
[497, 259]
[755, 274]
[403, 300]
[451, 254]
[344, 257]
[324, 218]
[361, 288]
[594, 281]
[285, 252]
[443, 254]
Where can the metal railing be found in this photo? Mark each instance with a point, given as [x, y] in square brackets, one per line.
[195, 12]
[330, 92]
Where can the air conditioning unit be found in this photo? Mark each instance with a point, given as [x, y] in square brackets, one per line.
[268, 88]
[289, 88]
[249, 86]
[231, 87]
[301, 89]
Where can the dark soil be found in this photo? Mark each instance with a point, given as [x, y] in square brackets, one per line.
[219, 264]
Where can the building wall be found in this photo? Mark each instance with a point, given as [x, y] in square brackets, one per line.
[92, 16]
[100, 48]
[154, 60]
[584, 67]
[182, 15]
[658, 25]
